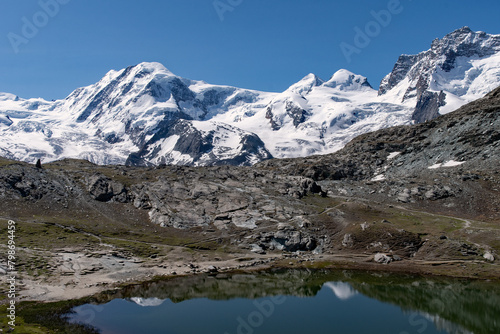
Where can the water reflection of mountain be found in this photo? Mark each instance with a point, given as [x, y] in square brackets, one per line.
[453, 305]
[445, 325]
[472, 305]
[147, 302]
[302, 283]
[342, 290]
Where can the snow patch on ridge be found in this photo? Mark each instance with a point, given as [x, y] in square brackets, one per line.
[450, 163]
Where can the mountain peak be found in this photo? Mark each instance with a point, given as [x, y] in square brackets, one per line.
[463, 30]
[141, 70]
[462, 66]
[466, 42]
[346, 80]
[443, 54]
[306, 83]
[152, 67]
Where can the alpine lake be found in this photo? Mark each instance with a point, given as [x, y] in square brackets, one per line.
[296, 301]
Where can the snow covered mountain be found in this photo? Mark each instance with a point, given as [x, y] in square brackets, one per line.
[141, 115]
[146, 115]
[460, 68]
[315, 116]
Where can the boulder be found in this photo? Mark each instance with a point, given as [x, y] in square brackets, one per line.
[212, 269]
[382, 258]
[347, 241]
[104, 189]
[488, 256]
[404, 196]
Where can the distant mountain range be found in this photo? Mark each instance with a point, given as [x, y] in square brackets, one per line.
[146, 115]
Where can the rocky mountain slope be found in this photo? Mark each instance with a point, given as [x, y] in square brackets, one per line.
[453, 158]
[146, 115]
[420, 192]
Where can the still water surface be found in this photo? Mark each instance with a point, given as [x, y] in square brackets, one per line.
[298, 301]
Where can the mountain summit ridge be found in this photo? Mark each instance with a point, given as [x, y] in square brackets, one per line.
[461, 67]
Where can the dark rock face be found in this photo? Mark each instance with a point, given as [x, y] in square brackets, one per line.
[427, 107]
[33, 184]
[104, 189]
[5, 119]
[289, 240]
[180, 91]
[269, 115]
[297, 114]
[398, 73]
[214, 197]
[157, 91]
[193, 142]
[251, 145]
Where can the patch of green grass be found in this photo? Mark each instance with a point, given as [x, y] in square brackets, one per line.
[44, 318]
[6, 162]
[321, 203]
[412, 221]
[137, 239]
[496, 245]
[134, 231]
[419, 222]
[46, 236]
[126, 179]
[204, 245]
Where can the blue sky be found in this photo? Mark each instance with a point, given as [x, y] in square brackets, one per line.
[259, 44]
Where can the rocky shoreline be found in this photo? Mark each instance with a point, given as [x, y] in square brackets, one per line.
[82, 275]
